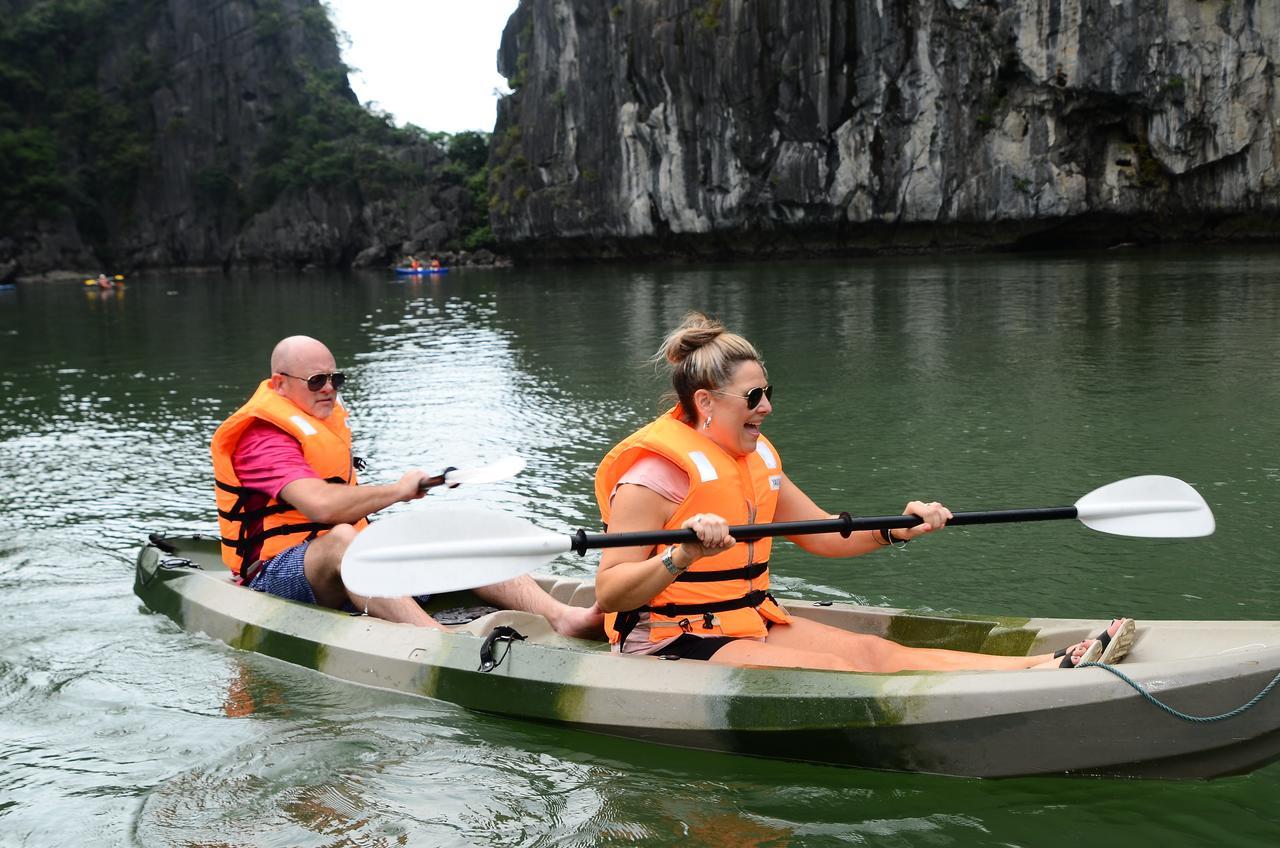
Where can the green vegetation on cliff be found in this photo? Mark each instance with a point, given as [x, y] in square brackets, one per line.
[82, 88]
[322, 138]
[66, 141]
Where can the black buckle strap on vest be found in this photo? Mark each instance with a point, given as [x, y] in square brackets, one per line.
[245, 543]
[242, 494]
[313, 528]
[624, 623]
[752, 599]
[239, 513]
[235, 490]
[627, 621]
[748, 572]
[501, 633]
[242, 517]
[359, 463]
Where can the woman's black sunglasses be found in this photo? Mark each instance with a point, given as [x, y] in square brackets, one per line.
[316, 381]
[753, 397]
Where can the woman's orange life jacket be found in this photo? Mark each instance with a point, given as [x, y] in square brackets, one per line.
[326, 445]
[721, 595]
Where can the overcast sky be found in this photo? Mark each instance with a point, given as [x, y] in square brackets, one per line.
[428, 62]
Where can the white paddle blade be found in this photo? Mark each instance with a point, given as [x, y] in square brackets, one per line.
[444, 549]
[503, 469]
[1152, 505]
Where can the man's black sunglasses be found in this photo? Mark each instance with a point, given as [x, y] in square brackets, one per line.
[316, 381]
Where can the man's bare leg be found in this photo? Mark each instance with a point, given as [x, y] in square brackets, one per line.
[524, 593]
[322, 565]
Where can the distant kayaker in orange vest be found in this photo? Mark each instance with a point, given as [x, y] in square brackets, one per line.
[412, 262]
[435, 262]
[289, 503]
[706, 465]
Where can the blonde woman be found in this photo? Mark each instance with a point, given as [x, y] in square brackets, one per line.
[706, 465]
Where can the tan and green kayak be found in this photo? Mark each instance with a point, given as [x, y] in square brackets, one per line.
[1087, 721]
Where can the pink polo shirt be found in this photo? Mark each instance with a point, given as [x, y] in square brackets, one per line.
[658, 474]
[267, 459]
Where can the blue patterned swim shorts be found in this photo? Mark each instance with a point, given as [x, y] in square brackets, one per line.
[283, 575]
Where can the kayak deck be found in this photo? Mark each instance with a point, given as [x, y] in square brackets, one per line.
[964, 723]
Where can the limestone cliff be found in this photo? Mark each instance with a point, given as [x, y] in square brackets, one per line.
[203, 133]
[783, 126]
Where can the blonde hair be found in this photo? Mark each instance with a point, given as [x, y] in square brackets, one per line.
[702, 354]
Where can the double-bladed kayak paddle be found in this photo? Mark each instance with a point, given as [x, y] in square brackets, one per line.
[445, 549]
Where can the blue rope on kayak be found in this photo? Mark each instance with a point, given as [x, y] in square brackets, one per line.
[1266, 690]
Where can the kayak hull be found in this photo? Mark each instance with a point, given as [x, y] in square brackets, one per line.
[984, 724]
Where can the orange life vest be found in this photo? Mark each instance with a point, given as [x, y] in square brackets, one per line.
[326, 445]
[721, 595]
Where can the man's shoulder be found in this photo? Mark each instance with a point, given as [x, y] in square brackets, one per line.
[267, 459]
[264, 430]
[264, 436]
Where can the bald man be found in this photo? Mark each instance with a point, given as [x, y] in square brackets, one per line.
[289, 502]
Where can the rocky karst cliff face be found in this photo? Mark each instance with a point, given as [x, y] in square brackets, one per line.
[779, 126]
[237, 141]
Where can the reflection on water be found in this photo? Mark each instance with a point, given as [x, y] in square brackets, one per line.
[984, 382]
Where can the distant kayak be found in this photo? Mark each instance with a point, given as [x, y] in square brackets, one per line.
[415, 272]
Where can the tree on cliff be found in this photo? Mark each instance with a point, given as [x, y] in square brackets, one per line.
[182, 132]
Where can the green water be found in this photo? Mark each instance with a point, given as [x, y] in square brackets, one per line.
[984, 382]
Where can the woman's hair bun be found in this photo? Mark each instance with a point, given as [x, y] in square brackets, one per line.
[695, 332]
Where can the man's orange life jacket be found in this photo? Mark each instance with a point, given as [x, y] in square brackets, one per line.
[326, 445]
[721, 595]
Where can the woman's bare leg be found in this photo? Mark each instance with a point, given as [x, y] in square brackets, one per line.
[808, 644]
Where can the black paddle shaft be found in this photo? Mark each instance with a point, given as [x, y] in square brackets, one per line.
[582, 541]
